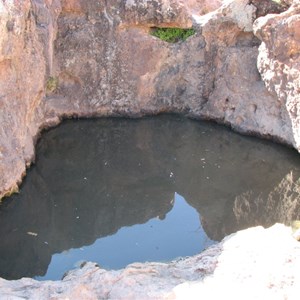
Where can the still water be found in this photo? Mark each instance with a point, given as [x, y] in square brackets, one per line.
[115, 191]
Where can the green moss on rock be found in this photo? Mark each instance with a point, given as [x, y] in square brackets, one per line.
[172, 35]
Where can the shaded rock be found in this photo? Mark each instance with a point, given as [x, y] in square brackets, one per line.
[265, 7]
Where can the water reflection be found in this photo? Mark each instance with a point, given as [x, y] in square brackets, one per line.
[156, 240]
[94, 177]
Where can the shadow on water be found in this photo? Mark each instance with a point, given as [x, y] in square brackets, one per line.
[95, 178]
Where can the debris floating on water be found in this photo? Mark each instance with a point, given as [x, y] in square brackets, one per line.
[32, 233]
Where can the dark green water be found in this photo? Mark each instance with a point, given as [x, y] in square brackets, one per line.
[117, 191]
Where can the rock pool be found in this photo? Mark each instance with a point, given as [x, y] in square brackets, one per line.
[117, 191]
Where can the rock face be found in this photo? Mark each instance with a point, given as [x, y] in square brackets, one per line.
[279, 61]
[253, 264]
[27, 33]
[101, 60]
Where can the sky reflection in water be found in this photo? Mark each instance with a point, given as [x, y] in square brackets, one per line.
[180, 232]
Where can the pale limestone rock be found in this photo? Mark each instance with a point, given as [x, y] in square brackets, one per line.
[270, 268]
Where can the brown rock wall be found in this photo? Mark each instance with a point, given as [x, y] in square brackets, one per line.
[27, 29]
[18, 51]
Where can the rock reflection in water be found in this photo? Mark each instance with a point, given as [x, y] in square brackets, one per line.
[156, 240]
[93, 177]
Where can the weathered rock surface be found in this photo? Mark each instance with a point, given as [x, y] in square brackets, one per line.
[279, 62]
[253, 264]
[27, 33]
